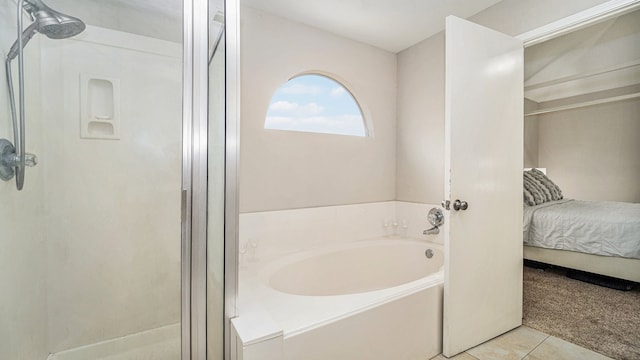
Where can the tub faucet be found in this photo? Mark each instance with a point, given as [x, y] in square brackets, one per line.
[433, 231]
[436, 218]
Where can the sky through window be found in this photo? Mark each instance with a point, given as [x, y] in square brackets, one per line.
[315, 103]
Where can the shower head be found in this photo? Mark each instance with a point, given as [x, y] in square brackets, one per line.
[53, 24]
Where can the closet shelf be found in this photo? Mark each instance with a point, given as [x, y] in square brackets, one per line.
[584, 104]
[600, 71]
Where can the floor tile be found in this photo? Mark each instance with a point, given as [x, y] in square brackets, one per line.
[514, 345]
[463, 356]
[558, 349]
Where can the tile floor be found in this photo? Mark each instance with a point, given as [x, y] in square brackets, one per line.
[525, 343]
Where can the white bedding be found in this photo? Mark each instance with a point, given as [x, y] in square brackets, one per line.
[593, 227]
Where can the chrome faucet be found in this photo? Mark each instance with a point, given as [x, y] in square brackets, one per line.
[436, 218]
[433, 231]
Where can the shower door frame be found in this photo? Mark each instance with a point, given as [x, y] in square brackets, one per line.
[195, 179]
[232, 164]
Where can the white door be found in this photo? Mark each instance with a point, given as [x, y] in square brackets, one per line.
[483, 166]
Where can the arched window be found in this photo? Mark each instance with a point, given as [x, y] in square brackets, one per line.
[315, 103]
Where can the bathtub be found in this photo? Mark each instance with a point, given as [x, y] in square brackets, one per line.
[377, 299]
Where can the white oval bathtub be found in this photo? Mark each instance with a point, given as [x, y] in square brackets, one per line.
[376, 299]
[359, 269]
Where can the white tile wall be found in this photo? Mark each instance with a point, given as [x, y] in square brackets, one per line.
[264, 235]
[269, 233]
[112, 206]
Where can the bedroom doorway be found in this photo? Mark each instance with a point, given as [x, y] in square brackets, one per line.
[582, 100]
[582, 92]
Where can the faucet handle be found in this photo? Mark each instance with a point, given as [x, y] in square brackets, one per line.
[435, 217]
[30, 160]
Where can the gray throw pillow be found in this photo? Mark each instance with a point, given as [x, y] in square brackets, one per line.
[544, 191]
[554, 190]
[535, 190]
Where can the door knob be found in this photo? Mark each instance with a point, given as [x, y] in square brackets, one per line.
[460, 205]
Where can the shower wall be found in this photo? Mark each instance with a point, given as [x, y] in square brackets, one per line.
[22, 247]
[90, 249]
[112, 205]
[160, 19]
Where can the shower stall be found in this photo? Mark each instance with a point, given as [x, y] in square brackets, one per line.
[118, 187]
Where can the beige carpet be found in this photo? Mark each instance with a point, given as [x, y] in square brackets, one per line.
[601, 319]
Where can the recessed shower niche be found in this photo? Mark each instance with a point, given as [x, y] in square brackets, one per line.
[99, 107]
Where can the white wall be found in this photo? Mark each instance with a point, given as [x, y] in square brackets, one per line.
[22, 249]
[420, 175]
[113, 206]
[421, 93]
[282, 169]
[530, 135]
[592, 153]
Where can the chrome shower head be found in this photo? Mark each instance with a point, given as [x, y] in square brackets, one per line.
[53, 24]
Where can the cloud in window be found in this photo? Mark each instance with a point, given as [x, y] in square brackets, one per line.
[286, 107]
[315, 103]
[283, 106]
[338, 91]
[340, 125]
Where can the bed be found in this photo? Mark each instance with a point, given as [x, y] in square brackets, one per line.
[600, 237]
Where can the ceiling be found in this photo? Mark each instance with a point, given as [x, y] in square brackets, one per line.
[393, 25]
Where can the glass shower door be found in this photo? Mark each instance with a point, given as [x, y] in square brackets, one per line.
[90, 249]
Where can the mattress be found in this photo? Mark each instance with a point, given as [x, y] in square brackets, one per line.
[593, 227]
